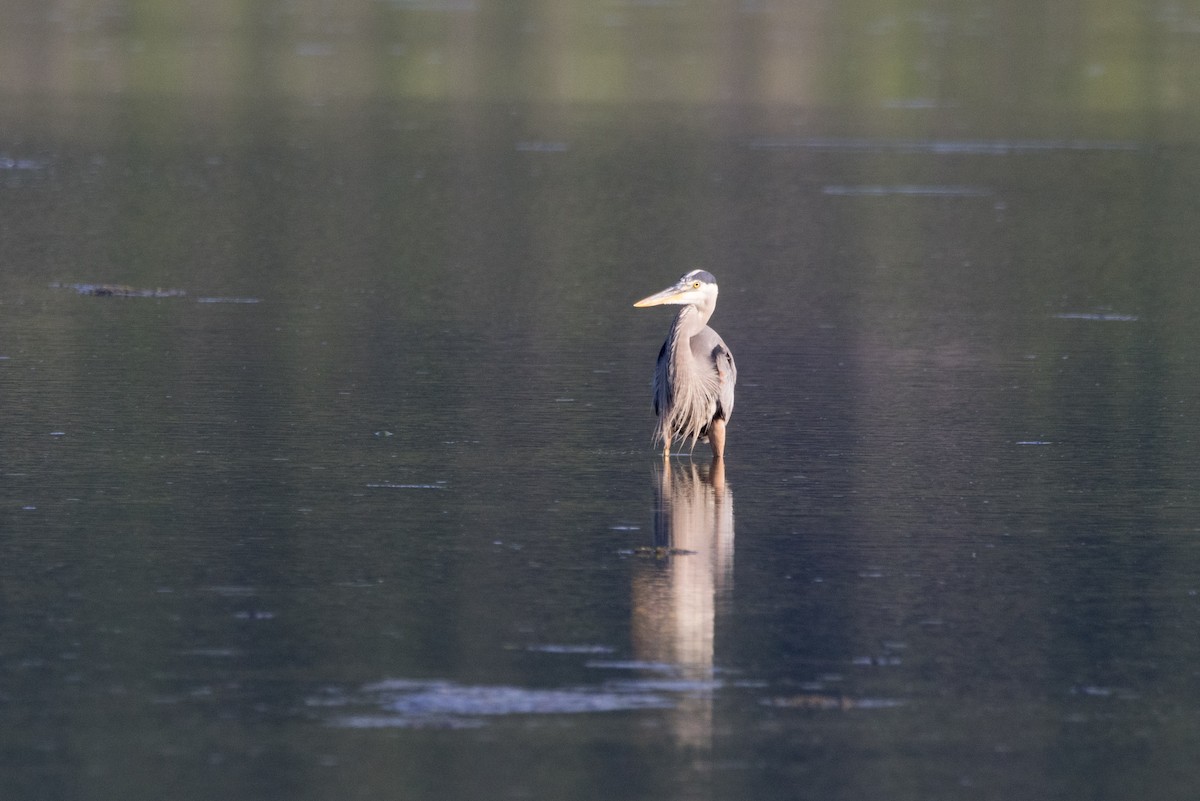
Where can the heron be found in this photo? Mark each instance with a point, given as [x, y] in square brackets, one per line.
[695, 374]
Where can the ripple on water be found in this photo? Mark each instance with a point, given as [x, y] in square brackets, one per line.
[1104, 317]
[442, 704]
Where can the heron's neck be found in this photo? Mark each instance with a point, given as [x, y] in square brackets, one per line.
[689, 322]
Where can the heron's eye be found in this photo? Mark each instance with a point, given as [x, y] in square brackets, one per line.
[695, 285]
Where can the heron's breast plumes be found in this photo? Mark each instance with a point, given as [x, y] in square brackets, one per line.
[687, 400]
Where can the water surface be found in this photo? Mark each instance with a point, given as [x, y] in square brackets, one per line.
[326, 421]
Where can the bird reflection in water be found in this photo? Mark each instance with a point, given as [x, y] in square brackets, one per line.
[677, 592]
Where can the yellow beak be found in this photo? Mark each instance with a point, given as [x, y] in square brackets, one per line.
[668, 295]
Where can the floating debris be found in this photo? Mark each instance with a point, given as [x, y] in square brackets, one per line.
[661, 551]
[119, 291]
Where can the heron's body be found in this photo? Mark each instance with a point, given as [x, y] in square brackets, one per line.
[695, 375]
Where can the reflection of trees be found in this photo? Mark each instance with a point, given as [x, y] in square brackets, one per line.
[1091, 56]
[675, 599]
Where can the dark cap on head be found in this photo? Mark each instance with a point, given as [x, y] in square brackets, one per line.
[699, 275]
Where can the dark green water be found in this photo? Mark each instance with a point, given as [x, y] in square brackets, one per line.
[356, 498]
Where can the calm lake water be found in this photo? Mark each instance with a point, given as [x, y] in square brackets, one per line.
[347, 490]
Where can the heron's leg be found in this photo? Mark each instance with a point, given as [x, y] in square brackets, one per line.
[716, 475]
[667, 448]
[716, 437]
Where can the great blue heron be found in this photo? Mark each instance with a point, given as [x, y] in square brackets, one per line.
[695, 374]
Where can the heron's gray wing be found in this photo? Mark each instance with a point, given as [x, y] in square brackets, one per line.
[714, 357]
[662, 389]
[727, 371]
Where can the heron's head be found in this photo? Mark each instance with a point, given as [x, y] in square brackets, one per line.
[697, 288]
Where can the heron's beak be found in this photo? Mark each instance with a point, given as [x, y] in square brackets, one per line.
[673, 294]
